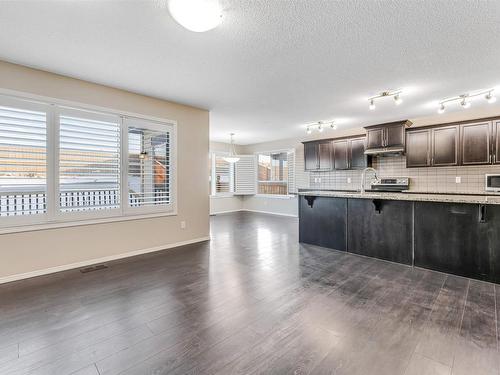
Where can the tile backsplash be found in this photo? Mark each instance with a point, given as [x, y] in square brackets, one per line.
[429, 180]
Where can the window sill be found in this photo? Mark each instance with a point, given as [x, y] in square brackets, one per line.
[66, 224]
[218, 196]
[275, 196]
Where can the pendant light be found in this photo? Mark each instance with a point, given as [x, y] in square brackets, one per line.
[232, 158]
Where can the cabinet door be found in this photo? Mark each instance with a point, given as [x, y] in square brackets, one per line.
[340, 154]
[449, 237]
[325, 223]
[357, 157]
[475, 143]
[444, 146]
[395, 136]
[496, 142]
[375, 138]
[325, 155]
[418, 145]
[380, 229]
[311, 160]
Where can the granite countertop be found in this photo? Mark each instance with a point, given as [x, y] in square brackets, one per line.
[422, 197]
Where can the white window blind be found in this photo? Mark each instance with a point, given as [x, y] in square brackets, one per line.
[149, 164]
[245, 175]
[89, 161]
[291, 172]
[23, 159]
[223, 175]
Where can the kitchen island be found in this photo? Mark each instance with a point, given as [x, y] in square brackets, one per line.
[458, 234]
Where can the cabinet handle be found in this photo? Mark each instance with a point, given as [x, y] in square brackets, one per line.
[482, 213]
[490, 158]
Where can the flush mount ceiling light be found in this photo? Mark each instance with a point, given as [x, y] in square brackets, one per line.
[396, 94]
[465, 99]
[320, 126]
[231, 158]
[196, 15]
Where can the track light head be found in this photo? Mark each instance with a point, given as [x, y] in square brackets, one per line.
[333, 126]
[397, 99]
[465, 103]
[490, 98]
[320, 128]
[442, 108]
[372, 105]
[308, 131]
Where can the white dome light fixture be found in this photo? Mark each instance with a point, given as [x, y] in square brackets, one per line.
[196, 15]
[231, 158]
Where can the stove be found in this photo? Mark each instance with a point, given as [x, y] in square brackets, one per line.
[391, 184]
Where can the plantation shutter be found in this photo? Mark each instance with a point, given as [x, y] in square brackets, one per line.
[223, 175]
[23, 158]
[89, 161]
[245, 175]
[291, 172]
[149, 178]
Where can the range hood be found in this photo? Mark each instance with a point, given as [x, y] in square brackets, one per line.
[386, 151]
[386, 139]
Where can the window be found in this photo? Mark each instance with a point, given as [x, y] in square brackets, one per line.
[222, 175]
[272, 173]
[89, 161]
[148, 179]
[23, 159]
[62, 164]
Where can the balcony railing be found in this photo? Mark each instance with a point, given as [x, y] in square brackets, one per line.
[35, 202]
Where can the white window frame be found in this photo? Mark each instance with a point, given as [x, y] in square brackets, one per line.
[146, 124]
[277, 196]
[213, 192]
[53, 218]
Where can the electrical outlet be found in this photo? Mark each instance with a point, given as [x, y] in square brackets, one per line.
[458, 180]
[349, 180]
[183, 224]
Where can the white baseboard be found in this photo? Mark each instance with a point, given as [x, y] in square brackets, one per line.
[225, 212]
[86, 263]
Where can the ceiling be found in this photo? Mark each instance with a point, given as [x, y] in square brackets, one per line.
[272, 65]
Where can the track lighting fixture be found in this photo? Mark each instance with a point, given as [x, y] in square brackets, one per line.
[372, 104]
[490, 98]
[465, 99]
[396, 94]
[320, 126]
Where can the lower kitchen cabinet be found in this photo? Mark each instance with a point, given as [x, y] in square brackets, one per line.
[323, 224]
[380, 229]
[462, 239]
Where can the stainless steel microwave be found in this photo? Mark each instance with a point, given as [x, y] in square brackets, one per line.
[493, 182]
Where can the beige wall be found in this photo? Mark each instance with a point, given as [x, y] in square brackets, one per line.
[38, 250]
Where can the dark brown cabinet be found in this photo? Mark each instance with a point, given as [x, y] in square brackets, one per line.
[357, 157]
[345, 153]
[475, 145]
[444, 149]
[436, 147]
[418, 146]
[390, 135]
[318, 155]
[496, 142]
[341, 154]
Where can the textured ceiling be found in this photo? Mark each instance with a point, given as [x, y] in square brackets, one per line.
[272, 65]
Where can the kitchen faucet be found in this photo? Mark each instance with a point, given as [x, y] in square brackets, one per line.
[363, 177]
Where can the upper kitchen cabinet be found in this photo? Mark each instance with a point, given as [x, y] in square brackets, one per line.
[318, 155]
[418, 146]
[496, 142]
[385, 138]
[357, 157]
[435, 147]
[444, 146]
[349, 153]
[475, 145]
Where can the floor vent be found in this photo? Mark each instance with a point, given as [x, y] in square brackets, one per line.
[97, 267]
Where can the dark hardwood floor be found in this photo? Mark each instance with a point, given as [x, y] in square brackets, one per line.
[251, 301]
